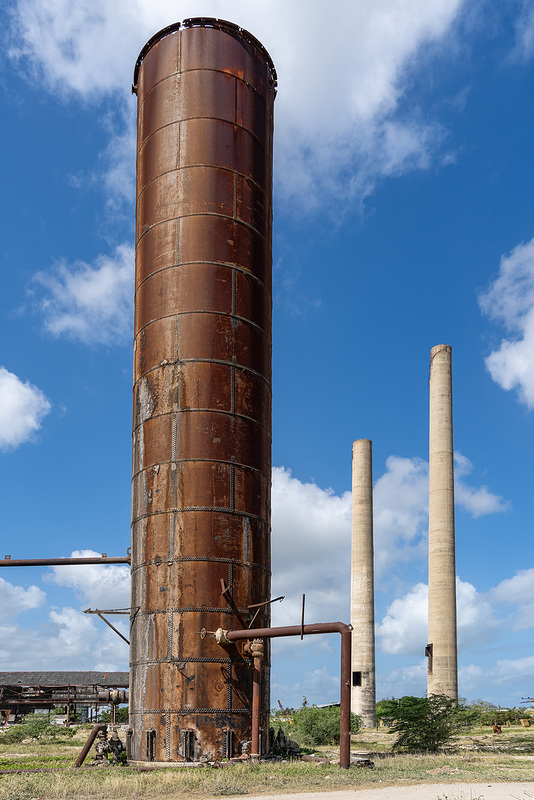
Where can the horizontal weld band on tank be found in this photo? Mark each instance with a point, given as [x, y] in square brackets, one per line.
[191, 609]
[202, 411]
[209, 559]
[219, 361]
[242, 222]
[206, 262]
[175, 660]
[177, 461]
[208, 22]
[183, 712]
[211, 313]
[234, 124]
[220, 510]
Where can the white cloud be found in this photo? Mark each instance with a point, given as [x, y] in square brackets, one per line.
[15, 599]
[400, 512]
[310, 550]
[518, 591]
[476, 501]
[404, 628]
[98, 586]
[410, 680]
[511, 672]
[510, 301]
[91, 304]
[339, 119]
[311, 538]
[525, 31]
[68, 640]
[22, 409]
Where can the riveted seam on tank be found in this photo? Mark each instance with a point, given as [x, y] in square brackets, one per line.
[240, 367]
[191, 609]
[204, 461]
[183, 712]
[210, 559]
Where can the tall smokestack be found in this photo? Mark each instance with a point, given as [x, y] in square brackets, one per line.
[441, 650]
[362, 617]
[202, 388]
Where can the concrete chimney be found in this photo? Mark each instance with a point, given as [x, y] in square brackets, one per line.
[362, 616]
[441, 650]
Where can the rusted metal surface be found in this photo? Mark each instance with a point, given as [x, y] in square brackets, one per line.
[58, 562]
[223, 636]
[202, 387]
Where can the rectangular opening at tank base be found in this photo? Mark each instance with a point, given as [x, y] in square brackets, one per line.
[356, 678]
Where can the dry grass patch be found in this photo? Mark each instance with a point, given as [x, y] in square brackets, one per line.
[510, 758]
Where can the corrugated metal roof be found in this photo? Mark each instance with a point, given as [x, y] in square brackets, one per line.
[64, 678]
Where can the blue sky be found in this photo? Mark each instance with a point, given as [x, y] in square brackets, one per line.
[403, 219]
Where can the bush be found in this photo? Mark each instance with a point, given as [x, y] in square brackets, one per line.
[313, 726]
[423, 724]
[36, 726]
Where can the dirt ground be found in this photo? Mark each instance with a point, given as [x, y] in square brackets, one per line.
[435, 791]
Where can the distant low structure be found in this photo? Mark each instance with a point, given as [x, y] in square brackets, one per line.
[26, 692]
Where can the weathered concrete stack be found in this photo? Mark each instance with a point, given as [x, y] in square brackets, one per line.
[202, 388]
[442, 648]
[362, 616]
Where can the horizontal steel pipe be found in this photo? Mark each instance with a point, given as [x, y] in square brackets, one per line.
[59, 562]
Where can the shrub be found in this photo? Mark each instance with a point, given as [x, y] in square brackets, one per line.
[423, 723]
[313, 726]
[36, 726]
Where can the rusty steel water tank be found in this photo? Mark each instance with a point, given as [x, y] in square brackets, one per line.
[202, 388]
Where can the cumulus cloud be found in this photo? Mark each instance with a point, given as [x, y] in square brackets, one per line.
[518, 591]
[15, 599]
[310, 549]
[476, 501]
[95, 585]
[311, 538]
[409, 680]
[509, 300]
[68, 640]
[22, 409]
[91, 304]
[400, 512]
[341, 120]
[512, 672]
[404, 627]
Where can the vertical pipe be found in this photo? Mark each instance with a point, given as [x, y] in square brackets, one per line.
[362, 584]
[442, 647]
[202, 384]
[256, 695]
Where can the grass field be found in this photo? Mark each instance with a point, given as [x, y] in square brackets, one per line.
[477, 756]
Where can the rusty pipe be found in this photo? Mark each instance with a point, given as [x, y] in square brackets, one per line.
[58, 562]
[256, 695]
[308, 630]
[87, 746]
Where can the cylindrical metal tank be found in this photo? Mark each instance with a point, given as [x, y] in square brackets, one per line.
[202, 388]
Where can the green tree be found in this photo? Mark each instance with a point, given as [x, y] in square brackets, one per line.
[423, 724]
[121, 715]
